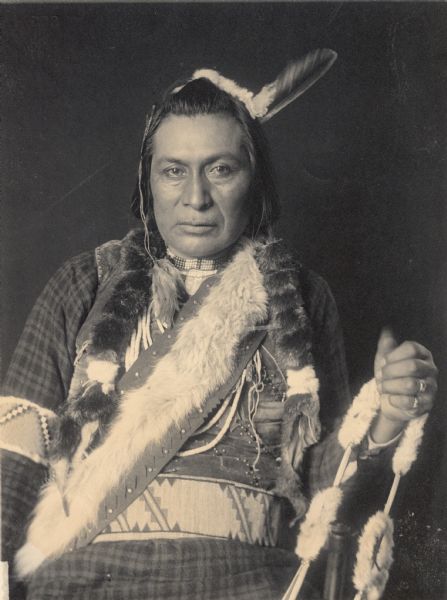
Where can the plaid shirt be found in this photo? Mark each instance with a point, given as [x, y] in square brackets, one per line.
[42, 364]
[41, 371]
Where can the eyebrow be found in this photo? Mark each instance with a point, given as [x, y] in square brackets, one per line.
[209, 159]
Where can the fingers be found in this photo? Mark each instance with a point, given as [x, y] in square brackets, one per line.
[407, 386]
[405, 408]
[413, 405]
[410, 367]
[387, 342]
[406, 377]
[408, 350]
[385, 345]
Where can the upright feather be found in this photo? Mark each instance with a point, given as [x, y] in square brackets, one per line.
[293, 81]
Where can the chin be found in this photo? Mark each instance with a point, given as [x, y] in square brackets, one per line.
[199, 248]
[202, 252]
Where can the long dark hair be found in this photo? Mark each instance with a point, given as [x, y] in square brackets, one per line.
[202, 97]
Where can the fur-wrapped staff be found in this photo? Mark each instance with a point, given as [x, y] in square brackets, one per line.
[315, 530]
[374, 557]
[375, 546]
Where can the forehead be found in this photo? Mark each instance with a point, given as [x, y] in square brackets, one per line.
[199, 136]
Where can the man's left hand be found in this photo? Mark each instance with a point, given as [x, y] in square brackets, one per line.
[406, 377]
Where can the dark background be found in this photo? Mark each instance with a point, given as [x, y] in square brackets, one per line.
[361, 164]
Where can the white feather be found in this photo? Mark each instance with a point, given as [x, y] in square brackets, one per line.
[293, 81]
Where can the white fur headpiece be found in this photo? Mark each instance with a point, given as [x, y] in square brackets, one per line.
[294, 80]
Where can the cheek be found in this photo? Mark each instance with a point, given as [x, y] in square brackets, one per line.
[238, 202]
[163, 217]
[165, 194]
[161, 198]
[162, 213]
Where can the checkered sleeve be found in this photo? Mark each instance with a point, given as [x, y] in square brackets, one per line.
[42, 364]
[39, 374]
[330, 365]
[21, 479]
[328, 348]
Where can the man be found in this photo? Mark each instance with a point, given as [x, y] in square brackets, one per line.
[197, 371]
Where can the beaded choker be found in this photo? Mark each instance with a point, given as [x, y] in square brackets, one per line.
[200, 264]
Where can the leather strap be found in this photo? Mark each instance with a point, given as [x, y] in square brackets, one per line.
[163, 342]
[157, 456]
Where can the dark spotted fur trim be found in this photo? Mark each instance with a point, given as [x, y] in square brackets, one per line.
[291, 329]
[291, 335]
[128, 300]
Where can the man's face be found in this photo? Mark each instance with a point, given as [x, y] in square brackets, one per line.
[200, 180]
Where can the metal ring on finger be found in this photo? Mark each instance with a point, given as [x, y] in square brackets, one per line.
[422, 386]
[415, 405]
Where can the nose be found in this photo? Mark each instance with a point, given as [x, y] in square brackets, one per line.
[197, 193]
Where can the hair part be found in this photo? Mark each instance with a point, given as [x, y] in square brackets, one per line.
[202, 97]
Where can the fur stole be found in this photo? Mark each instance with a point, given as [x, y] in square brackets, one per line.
[291, 335]
[261, 281]
[128, 288]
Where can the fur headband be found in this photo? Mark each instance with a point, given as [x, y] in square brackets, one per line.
[292, 82]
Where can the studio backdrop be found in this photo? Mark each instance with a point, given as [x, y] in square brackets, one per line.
[360, 163]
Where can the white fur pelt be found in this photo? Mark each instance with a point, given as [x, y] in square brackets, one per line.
[406, 452]
[201, 359]
[316, 527]
[374, 557]
[302, 381]
[166, 283]
[360, 415]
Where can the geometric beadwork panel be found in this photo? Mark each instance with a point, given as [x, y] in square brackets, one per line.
[176, 506]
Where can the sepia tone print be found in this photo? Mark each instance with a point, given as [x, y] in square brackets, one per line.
[223, 292]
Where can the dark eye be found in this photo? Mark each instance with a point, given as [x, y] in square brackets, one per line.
[174, 172]
[221, 171]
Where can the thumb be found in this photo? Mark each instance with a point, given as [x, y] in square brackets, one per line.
[387, 342]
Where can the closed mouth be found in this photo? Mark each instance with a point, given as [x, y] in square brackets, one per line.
[197, 228]
[196, 224]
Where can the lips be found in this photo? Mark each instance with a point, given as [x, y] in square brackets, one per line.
[196, 224]
[196, 228]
